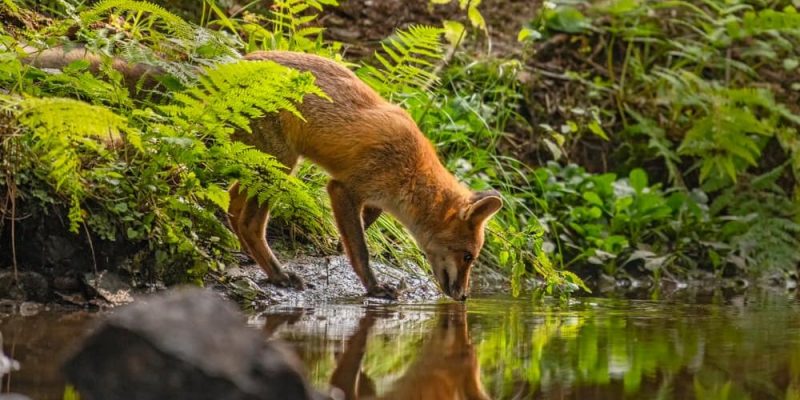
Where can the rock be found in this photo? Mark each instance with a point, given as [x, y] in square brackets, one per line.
[29, 309]
[13, 396]
[109, 286]
[186, 344]
[26, 285]
[66, 283]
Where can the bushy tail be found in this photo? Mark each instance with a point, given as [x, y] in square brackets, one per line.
[135, 76]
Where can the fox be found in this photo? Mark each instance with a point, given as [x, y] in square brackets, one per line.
[378, 161]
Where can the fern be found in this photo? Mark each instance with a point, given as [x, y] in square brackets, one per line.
[288, 26]
[728, 124]
[170, 22]
[407, 63]
[60, 127]
[769, 20]
[762, 233]
[228, 97]
[266, 180]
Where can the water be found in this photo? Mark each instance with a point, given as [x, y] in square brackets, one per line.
[744, 347]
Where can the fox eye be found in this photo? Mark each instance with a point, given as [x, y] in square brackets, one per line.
[468, 257]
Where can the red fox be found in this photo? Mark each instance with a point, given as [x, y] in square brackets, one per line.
[378, 161]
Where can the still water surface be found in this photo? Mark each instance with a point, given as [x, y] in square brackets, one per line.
[743, 347]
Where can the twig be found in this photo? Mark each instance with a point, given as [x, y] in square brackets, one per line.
[553, 75]
[12, 191]
[91, 247]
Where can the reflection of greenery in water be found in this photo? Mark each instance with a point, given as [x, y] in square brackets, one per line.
[641, 350]
[70, 393]
[745, 348]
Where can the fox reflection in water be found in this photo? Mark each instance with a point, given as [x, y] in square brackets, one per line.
[446, 366]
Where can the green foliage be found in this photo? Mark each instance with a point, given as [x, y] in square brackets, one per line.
[287, 25]
[229, 96]
[627, 226]
[679, 93]
[471, 6]
[696, 93]
[290, 30]
[148, 172]
[169, 153]
[157, 17]
[60, 128]
[408, 63]
[696, 70]
[729, 126]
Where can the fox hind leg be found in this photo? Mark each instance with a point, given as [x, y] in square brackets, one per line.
[237, 203]
[252, 226]
[248, 218]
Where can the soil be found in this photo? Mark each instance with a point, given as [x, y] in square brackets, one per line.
[362, 24]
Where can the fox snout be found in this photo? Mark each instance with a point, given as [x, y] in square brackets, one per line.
[454, 285]
[457, 294]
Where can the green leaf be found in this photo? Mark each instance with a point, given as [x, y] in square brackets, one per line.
[592, 198]
[638, 179]
[454, 32]
[218, 196]
[595, 128]
[528, 35]
[476, 18]
[621, 6]
[567, 19]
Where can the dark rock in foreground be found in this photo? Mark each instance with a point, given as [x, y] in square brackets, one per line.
[13, 396]
[186, 344]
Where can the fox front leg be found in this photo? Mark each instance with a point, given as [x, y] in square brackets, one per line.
[347, 213]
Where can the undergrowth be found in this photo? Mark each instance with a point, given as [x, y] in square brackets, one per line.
[152, 166]
[687, 114]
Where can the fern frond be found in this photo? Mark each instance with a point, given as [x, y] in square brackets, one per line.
[228, 97]
[407, 62]
[266, 179]
[60, 127]
[769, 20]
[67, 117]
[171, 22]
[290, 30]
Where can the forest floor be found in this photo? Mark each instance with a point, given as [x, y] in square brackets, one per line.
[363, 24]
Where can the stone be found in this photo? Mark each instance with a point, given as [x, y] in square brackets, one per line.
[185, 344]
[109, 286]
[24, 285]
[13, 396]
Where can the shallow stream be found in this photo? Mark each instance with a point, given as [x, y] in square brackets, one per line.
[706, 347]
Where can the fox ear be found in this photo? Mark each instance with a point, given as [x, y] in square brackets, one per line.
[482, 206]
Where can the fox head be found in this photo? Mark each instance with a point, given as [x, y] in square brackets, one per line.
[458, 240]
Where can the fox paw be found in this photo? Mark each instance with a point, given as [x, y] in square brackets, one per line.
[288, 280]
[383, 291]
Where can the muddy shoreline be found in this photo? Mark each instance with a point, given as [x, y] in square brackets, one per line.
[56, 267]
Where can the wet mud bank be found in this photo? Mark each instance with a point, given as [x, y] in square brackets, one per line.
[45, 263]
[326, 279]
